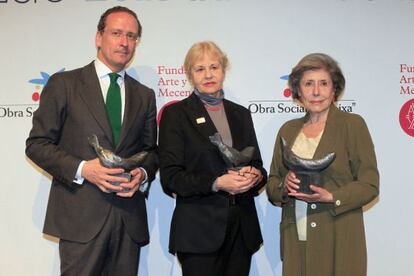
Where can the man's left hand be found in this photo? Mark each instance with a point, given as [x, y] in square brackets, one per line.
[137, 176]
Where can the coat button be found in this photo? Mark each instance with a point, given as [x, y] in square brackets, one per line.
[313, 206]
[338, 202]
[313, 224]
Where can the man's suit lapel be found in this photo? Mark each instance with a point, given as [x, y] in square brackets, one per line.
[133, 105]
[90, 92]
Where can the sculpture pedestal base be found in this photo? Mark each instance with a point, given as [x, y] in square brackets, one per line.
[306, 179]
[116, 183]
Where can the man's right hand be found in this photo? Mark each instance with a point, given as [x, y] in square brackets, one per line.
[101, 176]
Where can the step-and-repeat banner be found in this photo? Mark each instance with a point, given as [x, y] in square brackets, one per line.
[264, 39]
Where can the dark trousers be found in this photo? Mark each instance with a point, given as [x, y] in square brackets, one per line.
[112, 252]
[232, 259]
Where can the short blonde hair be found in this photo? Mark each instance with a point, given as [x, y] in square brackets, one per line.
[197, 51]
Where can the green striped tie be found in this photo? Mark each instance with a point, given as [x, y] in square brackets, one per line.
[113, 107]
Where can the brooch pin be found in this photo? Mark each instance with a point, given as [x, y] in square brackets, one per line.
[201, 120]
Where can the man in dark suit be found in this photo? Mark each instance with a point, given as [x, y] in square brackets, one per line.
[101, 226]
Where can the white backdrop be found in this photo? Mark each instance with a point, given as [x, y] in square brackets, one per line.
[264, 39]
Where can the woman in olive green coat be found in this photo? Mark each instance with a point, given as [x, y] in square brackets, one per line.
[322, 234]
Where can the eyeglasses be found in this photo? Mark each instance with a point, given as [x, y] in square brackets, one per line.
[132, 37]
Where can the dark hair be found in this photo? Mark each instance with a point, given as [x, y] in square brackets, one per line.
[317, 61]
[102, 20]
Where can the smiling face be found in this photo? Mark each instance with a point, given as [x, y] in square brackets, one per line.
[116, 43]
[207, 74]
[316, 91]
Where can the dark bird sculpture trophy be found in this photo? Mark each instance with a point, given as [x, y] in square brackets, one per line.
[110, 160]
[233, 158]
[307, 170]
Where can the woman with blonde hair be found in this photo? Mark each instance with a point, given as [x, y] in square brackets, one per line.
[214, 229]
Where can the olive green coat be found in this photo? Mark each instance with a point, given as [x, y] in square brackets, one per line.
[335, 231]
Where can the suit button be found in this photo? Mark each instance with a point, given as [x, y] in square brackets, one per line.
[338, 202]
[313, 206]
[313, 224]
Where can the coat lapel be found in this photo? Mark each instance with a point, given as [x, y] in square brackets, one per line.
[294, 130]
[330, 134]
[199, 117]
[133, 105]
[235, 125]
[90, 92]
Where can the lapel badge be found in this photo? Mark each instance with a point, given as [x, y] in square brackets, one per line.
[201, 120]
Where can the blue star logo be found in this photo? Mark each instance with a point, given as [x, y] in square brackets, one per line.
[45, 77]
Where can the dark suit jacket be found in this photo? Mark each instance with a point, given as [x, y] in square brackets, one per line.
[189, 165]
[71, 109]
